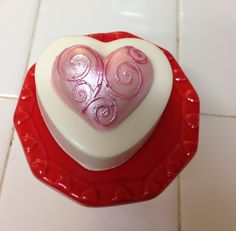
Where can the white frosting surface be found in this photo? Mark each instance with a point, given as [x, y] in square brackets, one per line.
[98, 150]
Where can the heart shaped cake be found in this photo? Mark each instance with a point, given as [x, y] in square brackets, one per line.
[102, 100]
[104, 91]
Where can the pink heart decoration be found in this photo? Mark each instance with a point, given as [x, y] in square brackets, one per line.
[104, 91]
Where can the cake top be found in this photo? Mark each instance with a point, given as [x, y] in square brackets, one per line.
[103, 90]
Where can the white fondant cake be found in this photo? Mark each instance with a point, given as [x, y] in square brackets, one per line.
[94, 148]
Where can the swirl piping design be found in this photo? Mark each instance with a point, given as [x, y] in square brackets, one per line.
[101, 87]
[126, 82]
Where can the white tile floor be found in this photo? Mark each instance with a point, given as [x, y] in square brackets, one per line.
[17, 20]
[207, 54]
[157, 24]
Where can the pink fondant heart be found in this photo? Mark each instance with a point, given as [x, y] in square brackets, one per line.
[104, 91]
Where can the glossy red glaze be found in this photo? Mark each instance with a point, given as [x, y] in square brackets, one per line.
[171, 146]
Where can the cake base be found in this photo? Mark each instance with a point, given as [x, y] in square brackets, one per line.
[171, 146]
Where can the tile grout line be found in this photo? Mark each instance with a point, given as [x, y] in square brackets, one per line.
[26, 66]
[179, 225]
[6, 159]
[8, 97]
[32, 36]
[218, 116]
[202, 114]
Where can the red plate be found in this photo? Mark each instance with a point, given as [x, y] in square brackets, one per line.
[171, 146]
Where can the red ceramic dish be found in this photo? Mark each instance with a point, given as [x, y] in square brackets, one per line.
[171, 146]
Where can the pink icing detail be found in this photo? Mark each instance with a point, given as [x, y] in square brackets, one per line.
[82, 92]
[137, 55]
[103, 110]
[103, 90]
[126, 82]
[77, 67]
